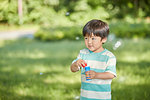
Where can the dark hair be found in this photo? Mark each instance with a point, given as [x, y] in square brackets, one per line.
[96, 27]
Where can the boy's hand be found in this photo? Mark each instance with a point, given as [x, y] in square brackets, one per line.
[91, 73]
[75, 66]
[80, 62]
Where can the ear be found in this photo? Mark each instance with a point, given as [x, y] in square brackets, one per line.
[104, 40]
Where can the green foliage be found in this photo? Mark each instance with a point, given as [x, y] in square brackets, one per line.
[78, 17]
[35, 70]
[121, 29]
[46, 11]
[120, 9]
[8, 11]
[94, 3]
[127, 30]
[59, 33]
[37, 11]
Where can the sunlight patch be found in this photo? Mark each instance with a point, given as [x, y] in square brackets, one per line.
[145, 56]
[22, 91]
[33, 55]
[129, 57]
[6, 69]
[62, 79]
[41, 69]
[2, 43]
[26, 91]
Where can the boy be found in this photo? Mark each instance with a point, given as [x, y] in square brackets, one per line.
[101, 61]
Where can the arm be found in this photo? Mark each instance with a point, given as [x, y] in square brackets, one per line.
[104, 75]
[75, 66]
[110, 71]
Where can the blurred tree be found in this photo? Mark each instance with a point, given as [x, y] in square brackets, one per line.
[121, 8]
[44, 11]
[20, 11]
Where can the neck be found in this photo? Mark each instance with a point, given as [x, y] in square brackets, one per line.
[99, 50]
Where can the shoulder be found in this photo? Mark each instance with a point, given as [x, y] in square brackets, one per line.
[84, 51]
[109, 54]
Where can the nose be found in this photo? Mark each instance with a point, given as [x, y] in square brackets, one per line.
[89, 40]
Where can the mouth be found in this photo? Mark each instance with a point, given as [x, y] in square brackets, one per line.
[90, 46]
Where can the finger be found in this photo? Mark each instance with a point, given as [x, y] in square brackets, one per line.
[84, 63]
[80, 65]
[90, 72]
[87, 72]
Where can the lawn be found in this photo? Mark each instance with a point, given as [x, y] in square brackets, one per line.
[35, 70]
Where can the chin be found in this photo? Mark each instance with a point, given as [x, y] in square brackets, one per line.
[91, 49]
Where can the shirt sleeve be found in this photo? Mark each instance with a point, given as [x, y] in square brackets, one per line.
[111, 66]
[78, 57]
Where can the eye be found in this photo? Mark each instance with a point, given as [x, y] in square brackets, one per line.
[93, 38]
[85, 38]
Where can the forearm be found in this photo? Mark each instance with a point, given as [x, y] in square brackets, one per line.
[104, 75]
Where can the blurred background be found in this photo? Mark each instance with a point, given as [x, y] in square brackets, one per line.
[40, 38]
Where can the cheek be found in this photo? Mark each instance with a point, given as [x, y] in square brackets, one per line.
[85, 42]
[96, 44]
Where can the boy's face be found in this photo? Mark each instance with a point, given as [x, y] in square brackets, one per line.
[94, 43]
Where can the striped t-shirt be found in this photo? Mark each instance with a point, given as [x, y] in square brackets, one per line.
[97, 89]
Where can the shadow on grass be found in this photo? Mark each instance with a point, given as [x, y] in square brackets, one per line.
[139, 68]
[141, 64]
[131, 92]
[15, 86]
[129, 89]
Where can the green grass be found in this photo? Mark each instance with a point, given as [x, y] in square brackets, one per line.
[34, 70]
